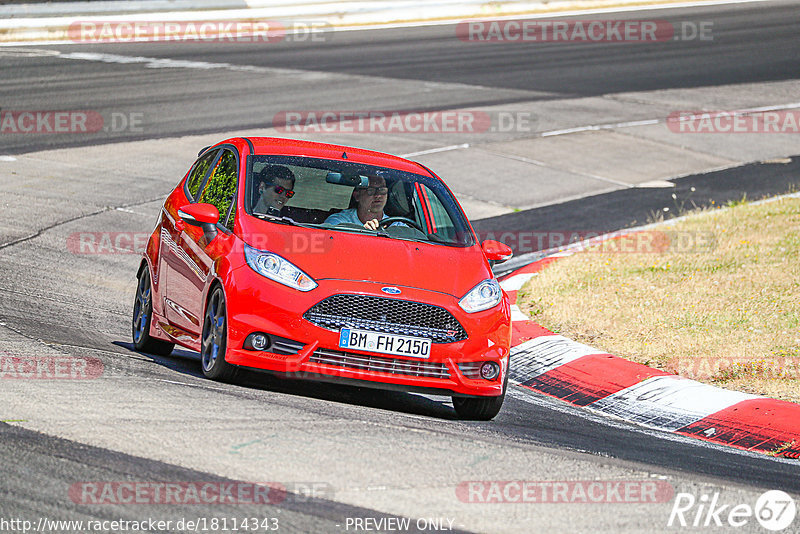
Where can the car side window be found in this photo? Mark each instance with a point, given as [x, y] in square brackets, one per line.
[198, 173]
[220, 190]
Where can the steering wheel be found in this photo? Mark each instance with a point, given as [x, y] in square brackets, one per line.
[391, 220]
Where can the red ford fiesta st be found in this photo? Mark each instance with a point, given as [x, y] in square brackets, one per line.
[329, 263]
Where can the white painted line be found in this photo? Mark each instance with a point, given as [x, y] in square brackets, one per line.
[97, 7]
[571, 130]
[656, 184]
[737, 112]
[8, 158]
[516, 282]
[648, 122]
[774, 108]
[517, 315]
[607, 126]
[435, 150]
[645, 122]
[198, 386]
[544, 353]
[126, 210]
[668, 402]
[297, 74]
[518, 158]
[163, 63]
[543, 164]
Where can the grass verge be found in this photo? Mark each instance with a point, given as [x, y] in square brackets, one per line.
[714, 297]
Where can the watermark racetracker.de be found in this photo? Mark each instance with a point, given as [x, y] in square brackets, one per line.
[15, 367]
[773, 367]
[582, 31]
[116, 242]
[641, 242]
[735, 122]
[565, 492]
[460, 121]
[597, 241]
[21, 122]
[205, 31]
[197, 492]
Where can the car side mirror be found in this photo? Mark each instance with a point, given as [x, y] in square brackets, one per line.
[496, 252]
[206, 216]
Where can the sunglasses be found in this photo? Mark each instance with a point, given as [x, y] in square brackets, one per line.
[372, 191]
[283, 191]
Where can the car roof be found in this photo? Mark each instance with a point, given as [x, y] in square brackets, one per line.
[297, 147]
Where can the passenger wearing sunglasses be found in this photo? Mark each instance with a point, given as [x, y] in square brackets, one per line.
[369, 202]
[275, 185]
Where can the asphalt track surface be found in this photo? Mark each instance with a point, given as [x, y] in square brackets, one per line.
[40, 304]
[751, 44]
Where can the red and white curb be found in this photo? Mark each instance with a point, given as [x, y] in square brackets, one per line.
[584, 376]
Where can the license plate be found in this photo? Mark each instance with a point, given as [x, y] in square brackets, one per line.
[415, 347]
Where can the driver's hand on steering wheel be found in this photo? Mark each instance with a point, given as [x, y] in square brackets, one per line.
[372, 224]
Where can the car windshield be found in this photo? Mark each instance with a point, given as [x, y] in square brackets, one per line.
[333, 195]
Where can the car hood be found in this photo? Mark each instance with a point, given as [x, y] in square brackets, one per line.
[335, 255]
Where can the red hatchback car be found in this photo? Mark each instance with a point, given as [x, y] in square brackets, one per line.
[330, 263]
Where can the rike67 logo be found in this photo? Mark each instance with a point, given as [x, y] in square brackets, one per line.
[774, 510]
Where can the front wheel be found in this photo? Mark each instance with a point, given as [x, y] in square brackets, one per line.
[481, 408]
[143, 316]
[214, 339]
[478, 409]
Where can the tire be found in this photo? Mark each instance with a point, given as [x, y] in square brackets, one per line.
[213, 341]
[142, 317]
[480, 408]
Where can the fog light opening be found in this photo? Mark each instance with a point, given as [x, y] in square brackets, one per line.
[257, 341]
[490, 370]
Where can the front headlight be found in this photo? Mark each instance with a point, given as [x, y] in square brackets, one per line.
[485, 295]
[277, 268]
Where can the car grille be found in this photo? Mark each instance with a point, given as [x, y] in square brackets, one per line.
[470, 369]
[285, 346]
[392, 316]
[379, 364]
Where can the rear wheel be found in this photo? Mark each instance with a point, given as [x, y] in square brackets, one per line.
[214, 339]
[142, 317]
[481, 408]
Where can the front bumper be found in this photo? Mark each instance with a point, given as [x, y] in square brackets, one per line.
[278, 311]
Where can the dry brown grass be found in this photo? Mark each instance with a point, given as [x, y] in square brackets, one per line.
[726, 312]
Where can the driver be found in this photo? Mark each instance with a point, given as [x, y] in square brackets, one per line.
[370, 202]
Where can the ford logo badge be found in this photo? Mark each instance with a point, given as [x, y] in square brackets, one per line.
[391, 290]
